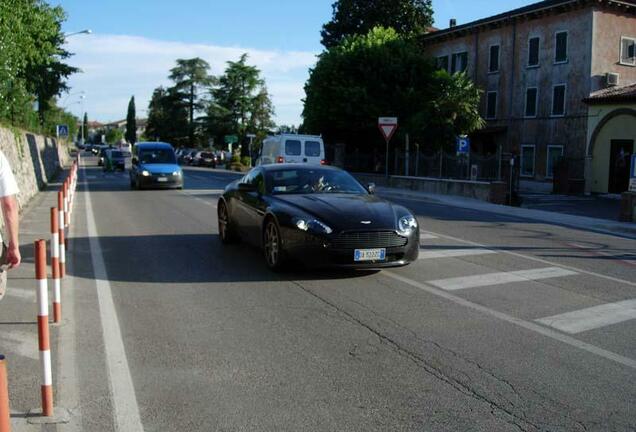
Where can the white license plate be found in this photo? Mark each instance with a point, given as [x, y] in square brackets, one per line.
[162, 179]
[369, 254]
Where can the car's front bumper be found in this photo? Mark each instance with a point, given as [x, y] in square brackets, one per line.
[320, 251]
[159, 181]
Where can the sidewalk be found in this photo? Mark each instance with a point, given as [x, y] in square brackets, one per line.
[594, 206]
[550, 217]
[18, 315]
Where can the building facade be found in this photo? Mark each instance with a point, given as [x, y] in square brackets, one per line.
[536, 66]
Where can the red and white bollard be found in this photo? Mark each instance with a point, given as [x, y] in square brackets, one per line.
[43, 328]
[61, 241]
[65, 192]
[55, 266]
[5, 417]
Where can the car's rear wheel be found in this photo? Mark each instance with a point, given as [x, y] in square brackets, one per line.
[226, 231]
[272, 246]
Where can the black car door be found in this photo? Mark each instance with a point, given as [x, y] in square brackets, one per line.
[255, 207]
[240, 210]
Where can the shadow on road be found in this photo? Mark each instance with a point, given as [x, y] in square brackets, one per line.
[188, 258]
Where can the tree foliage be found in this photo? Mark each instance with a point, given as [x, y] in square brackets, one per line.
[114, 135]
[191, 79]
[31, 63]
[131, 122]
[358, 17]
[240, 103]
[167, 117]
[384, 74]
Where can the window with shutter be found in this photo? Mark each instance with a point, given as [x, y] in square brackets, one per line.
[628, 51]
[561, 47]
[533, 52]
[493, 61]
[558, 100]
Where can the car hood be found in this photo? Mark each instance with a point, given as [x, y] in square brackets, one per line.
[160, 168]
[344, 212]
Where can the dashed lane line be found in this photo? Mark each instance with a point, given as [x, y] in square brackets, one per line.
[452, 253]
[592, 318]
[499, 278]
[527, 325]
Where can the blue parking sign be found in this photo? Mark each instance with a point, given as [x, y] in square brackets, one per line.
[463, 144]
[633, 170]
[62, 131]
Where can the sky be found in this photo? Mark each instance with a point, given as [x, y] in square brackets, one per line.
[135, 43]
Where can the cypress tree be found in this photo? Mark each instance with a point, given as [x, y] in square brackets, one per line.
[131, 122]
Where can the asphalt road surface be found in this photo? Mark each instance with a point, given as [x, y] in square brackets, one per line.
[503, 324]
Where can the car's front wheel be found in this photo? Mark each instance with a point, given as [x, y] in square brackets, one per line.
[272, 246]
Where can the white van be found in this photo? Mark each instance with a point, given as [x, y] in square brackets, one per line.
[292, 148]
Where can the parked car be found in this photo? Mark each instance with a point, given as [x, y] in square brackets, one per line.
[291, 148]
[204, 158]
[321, 216]
[114, 160]
[189, 156]
[154, 164]
[102, 155]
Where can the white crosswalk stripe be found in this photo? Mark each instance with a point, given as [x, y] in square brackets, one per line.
[427, 236]
[459, 283]
[592, 318]
[451, 253]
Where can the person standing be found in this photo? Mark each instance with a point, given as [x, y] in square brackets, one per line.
[10, 252]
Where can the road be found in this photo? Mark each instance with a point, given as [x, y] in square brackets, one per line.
[503, 324]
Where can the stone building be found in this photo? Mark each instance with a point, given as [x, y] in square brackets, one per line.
[537, 65]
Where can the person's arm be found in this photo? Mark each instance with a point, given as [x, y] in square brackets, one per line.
[10, 213]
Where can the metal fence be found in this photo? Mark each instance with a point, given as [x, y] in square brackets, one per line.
[419, 164]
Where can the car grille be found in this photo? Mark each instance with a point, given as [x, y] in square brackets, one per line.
[368, 239]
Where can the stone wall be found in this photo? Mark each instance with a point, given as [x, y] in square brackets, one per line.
[493, 192]
[35, 160]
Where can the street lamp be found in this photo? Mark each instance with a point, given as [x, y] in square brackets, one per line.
[86, 31]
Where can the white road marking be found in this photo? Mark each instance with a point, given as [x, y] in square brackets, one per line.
[488, 279]
[426, 236]
[126, 415]
[536, 328]
[540, 260]
[21, 293]
[451, 253]
[68, 392]
[208, 203]
[592, 318]
[22, 343]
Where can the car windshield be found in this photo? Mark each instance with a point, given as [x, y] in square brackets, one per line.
[311, 181]
[117, 154]
[157, 156]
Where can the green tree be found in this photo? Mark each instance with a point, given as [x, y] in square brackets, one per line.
[114, 135]
[131, 122]
[384, 74]
[240, 103]
[167, 117]
[31, 61]
[358, 17]
[84, 129]
[191, 80]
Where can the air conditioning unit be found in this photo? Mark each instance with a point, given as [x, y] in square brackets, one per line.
[612, 79]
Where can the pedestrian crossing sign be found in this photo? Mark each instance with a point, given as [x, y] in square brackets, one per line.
[62, 131]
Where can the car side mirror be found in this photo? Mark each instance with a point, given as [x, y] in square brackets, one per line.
[246, 187]
[371, 188]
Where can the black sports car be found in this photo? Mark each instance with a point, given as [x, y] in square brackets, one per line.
[318, 215]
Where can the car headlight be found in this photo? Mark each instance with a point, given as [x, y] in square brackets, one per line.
[145, 173]
[176, 173]
[306, 224]
[406, 224]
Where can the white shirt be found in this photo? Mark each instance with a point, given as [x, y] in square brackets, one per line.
[8, 185]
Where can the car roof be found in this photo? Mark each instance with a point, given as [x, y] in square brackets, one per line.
[153, 145]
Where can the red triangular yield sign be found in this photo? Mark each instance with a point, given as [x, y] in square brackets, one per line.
[388, 130]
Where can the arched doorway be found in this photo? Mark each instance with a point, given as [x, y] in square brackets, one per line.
[611, 145]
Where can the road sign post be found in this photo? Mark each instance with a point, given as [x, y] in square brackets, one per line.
[388, 126]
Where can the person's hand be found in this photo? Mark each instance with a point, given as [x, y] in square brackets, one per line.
[13, 256]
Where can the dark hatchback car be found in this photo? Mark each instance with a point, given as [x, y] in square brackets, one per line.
[320, 216]
[154, 164]
[114, 160]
